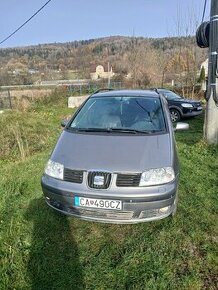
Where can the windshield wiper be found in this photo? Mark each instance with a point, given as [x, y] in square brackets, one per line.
[91, 129]
[118, 130]
[129, 130]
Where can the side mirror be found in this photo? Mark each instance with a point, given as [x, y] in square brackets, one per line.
[64, 123]
[181, 126]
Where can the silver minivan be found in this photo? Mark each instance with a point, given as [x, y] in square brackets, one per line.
[115, 160]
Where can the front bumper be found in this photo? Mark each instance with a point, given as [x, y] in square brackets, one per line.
[140, 204]
[191, 113]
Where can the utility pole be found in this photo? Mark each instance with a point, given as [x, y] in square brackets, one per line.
[109, 78]
[211, 114]
[9, 99]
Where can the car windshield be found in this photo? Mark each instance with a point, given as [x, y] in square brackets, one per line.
[120, 114]
[170, 95]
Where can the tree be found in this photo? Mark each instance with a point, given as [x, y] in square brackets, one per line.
[202, 76]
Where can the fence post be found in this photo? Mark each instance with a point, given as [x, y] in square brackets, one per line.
[9, 99]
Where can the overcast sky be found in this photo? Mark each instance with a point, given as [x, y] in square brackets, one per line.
[68, 20]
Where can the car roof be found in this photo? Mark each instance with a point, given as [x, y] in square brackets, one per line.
[165, 90]
[129, 93]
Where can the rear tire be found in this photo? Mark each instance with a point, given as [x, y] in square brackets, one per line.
[175, 115]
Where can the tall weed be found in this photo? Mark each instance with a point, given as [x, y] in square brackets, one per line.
[20, 140]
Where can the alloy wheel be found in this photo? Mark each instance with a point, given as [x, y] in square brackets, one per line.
[175, 115]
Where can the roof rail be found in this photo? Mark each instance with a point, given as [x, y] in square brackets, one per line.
[154, 89]
[101, 90]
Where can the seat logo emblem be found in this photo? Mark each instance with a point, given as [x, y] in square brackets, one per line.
[98, 180]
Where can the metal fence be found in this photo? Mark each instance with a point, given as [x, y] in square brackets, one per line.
[83, 89]
[9, 101]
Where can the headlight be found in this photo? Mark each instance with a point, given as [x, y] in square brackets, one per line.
[54, 169]
[185, 105]
[157, 176]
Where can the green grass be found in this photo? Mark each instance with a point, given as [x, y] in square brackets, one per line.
[41, 249]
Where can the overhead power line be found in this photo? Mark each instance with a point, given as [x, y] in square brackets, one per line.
[9, 36]
[205, 5]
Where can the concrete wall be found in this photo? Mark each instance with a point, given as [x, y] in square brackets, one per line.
[74, 102]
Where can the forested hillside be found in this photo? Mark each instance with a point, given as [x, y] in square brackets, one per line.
[145, 61]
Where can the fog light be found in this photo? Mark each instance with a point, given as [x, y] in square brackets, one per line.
[164, 209]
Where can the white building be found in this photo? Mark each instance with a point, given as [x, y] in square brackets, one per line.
[100, 73]
[205, 66]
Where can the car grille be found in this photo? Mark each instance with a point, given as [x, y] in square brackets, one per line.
[106, 179]
[126, 180]
[123, 180]
[195, 105]
[105, 214]
[108, 214]
[74, 176]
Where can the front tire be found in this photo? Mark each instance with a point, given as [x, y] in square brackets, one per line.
[175, 115]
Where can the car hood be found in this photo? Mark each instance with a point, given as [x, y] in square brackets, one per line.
[116, 153]
[184, 100]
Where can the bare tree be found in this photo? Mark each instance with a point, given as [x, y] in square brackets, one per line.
[186, 61]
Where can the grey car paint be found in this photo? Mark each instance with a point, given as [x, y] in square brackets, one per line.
[117, 154]
[113, 153]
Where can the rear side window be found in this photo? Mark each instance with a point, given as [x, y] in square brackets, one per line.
[170, 95]
[137, 113]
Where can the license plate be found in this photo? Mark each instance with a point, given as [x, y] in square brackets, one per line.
[97, 203]
[199, 108]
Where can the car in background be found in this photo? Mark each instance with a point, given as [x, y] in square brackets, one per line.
[116, 160]
[180, 107]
